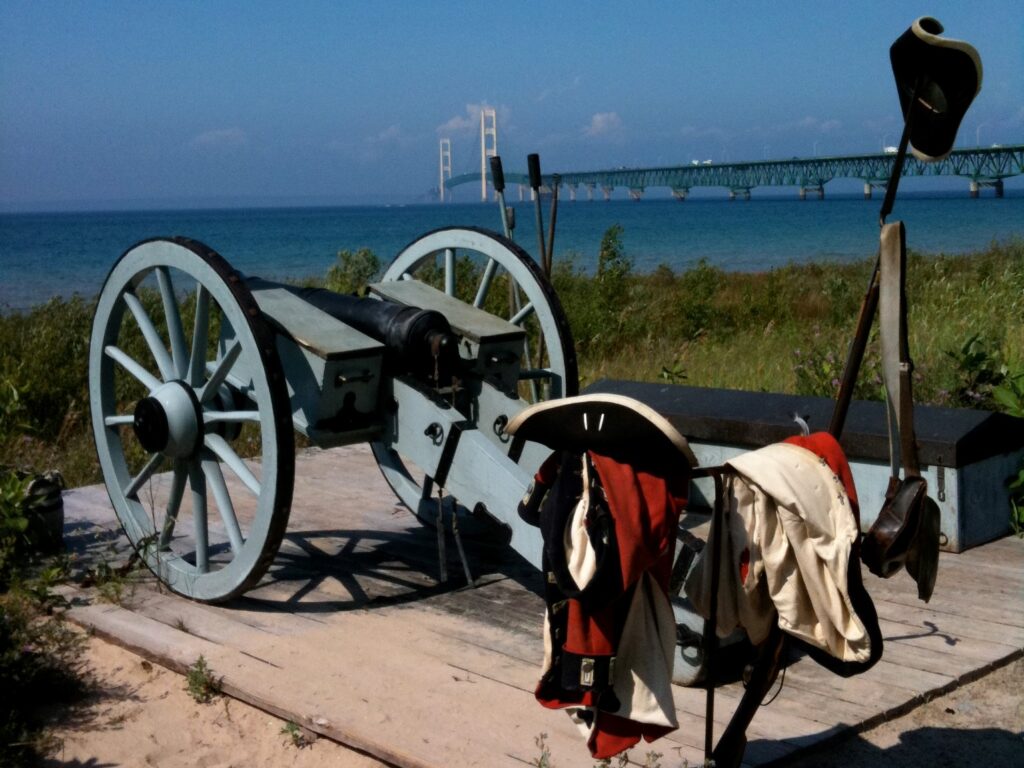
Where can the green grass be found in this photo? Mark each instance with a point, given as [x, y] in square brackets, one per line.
[787, 330]
[784, 330]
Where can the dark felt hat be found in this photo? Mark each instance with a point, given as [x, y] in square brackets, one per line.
[611, 425]
[947, 74]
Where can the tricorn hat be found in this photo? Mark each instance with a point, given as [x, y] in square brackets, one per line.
[946, 75]
[611, 425]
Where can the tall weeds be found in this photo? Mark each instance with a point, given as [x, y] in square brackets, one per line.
[783, 330]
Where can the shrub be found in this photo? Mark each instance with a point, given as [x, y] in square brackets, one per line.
[353, 271]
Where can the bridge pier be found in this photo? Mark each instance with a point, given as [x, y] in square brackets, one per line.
[819, 189]
[976, 186]
[590, 191]
[870, 186]
[607, 191]
[572, 193]
[636, 193]
[680, 193]
[739, 193]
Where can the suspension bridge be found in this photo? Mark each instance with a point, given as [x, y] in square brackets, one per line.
[982, 167]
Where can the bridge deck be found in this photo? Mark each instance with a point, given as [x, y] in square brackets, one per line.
[981, 165]
[351, 636]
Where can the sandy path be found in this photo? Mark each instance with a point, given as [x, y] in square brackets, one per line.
[142, 716]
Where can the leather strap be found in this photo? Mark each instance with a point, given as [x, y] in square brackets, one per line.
[897, 368]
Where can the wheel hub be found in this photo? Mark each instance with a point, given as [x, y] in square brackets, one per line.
[169, 421]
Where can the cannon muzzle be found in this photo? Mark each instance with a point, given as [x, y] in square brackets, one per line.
[416, 341]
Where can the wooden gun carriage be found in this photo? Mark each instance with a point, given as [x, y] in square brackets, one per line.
[246, 361]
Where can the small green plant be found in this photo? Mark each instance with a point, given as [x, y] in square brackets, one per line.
[544, 759]
[621, 761]
[674, 373]
[979, 371]
[295, 735]
[1009, 396]
[1016, 488]
[13, 524]
[201, 683]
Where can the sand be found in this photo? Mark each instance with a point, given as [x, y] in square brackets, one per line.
[139, 714]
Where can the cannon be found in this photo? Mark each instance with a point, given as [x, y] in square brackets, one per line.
[193, 366]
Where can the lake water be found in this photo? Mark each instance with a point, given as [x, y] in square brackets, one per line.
[47, 254]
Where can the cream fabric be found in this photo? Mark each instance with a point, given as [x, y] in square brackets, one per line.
[642, 676]
[642, 679]
[791, 514]
[580, 556]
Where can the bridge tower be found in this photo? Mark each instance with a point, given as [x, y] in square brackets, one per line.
[488, 129]
[446, 165]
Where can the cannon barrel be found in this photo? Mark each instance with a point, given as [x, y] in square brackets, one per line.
[416, 341]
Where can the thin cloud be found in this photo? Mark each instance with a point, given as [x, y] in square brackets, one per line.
[463, 123]
[392, 135]
[560, 89]
[373, 148]
[694, 132]
[603, 123]
[220, 138]
[813, 124]
[469, 122]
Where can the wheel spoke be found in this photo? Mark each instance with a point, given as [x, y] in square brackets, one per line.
[225, 453]
[532, 374]
[485, 283]
[173, 317]
[197, 480]
[173, 503]
[522, 314]
[147, 471]
[449, 271]
[215, 478]
[200, 337]
[221, 372]
[144, 377]
[151, 335]
[213, 417]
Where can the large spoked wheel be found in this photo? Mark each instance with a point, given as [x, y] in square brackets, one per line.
[490, 272]
[185, 384]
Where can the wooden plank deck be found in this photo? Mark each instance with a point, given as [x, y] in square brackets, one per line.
[351, 636]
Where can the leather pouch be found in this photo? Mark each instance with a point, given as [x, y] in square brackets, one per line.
[906, 532]
[923, 558]
[894, 532]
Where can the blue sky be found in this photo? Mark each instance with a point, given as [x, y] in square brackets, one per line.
[106, 104]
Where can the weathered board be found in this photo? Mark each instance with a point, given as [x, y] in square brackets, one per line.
[352, 635]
